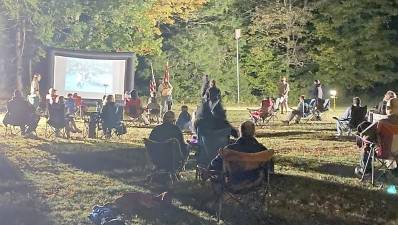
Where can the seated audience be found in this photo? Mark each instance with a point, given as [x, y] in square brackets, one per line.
[110, 117]
[266, 109]
[370, 133]
[21, 113]
[184, 121]
[153, 106]
[381, 107]
[246, 143]
[58, 118]
[134, 109]
[168, 130]
[79, 104]
[346, 116]
[70, 105]
[298, 112]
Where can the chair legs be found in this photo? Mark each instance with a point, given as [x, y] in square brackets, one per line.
[371, 158]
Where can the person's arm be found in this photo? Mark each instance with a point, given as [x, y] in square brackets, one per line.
[347, 114]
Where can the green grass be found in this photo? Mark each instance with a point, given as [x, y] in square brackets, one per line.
[58, 182]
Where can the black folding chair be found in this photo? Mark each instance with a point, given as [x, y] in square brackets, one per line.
[358, 115]
[166, 156]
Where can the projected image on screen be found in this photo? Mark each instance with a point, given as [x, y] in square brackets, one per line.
[90, 78]
[88, 75]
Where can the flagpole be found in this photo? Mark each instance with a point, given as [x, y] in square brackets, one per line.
[152, 70]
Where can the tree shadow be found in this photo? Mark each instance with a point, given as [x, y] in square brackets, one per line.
[281, 133]
[19, 203]
[341, 170]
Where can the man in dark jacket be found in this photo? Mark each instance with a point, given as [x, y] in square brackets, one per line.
[111, 117]
[246, 143]
[169, 130]
[21, 113]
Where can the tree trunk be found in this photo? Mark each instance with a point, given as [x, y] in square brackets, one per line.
[18, 58]
[19, 49]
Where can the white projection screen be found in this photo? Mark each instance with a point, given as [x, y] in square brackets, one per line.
[91, 75]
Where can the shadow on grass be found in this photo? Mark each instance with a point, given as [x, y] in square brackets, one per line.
[18, 201]
[295, 199]
[282, 133]
[340, 170]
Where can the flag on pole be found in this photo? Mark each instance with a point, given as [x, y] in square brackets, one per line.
[152, 83]
[166, 76]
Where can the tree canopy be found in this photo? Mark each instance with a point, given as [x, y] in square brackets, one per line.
[348, 45]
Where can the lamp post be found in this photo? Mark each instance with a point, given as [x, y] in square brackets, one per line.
[237, 37]
[333, 95]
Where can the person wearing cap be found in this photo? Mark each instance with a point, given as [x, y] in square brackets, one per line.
[21, 113]
[168, 130]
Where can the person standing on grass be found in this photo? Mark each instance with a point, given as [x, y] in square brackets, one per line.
[284, 89]
[165, 90]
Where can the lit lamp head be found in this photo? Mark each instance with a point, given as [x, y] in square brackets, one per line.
[333, 93]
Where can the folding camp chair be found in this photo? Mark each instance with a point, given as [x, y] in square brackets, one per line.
[265, 114]
[358, 115]
[385, 151]
[210, 141]
[166, 156]
[243, 174]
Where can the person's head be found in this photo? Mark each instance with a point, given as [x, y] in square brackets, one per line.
[109, 98]
[153, 94]
[356, 101]
[213, 83]
[184, 108]
[284, 80]
[17, 94]
[247, 129]
[169, 117]
[37, 77]
[69, 95]
[75, 95]
[389, 95]
[60, 99]
[134, 94]
[301, 98]
[51, 91]
[392, 106]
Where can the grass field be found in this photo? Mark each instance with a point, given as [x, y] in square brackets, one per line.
[58, 182]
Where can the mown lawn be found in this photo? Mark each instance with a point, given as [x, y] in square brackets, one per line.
[58, 182]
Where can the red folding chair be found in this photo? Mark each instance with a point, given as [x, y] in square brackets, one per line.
[385, 150]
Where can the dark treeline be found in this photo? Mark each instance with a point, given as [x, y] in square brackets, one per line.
[351, 45]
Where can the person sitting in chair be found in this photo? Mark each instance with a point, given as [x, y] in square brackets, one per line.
[381, 107]
[370, 132]
[246, 143]
[298, 112]
[168, 130]
[59, 118]
[184, 121]
[344, 119]
[21, 113]
[134, 108]
[110, 117]
[153, 108]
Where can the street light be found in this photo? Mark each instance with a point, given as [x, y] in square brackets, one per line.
[237, 37]
[333, 95]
